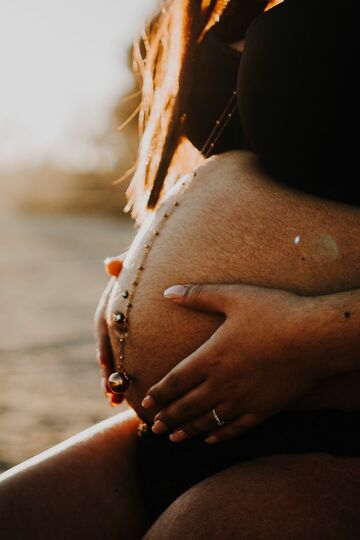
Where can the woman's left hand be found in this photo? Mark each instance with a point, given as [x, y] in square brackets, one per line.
[249, 369]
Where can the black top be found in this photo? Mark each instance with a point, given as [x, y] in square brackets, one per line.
[297, 101]
[298, 105]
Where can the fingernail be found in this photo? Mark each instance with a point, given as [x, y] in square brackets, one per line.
[159, 427]
[178, 436]
[212, 440]
[176, 292]
[148, 402]
[113, 266]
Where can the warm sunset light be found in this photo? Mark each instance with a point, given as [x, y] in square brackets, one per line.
[180, 270]
[63, 65]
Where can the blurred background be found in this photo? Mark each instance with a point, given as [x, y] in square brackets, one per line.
[65, 68]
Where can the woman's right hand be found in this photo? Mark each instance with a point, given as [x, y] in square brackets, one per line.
[113, 266]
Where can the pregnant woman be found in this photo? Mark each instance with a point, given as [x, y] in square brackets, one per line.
[268, 229]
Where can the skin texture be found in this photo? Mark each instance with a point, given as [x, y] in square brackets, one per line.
[319, 341]
[86, 487]
[310, 496]
[275, 234]
[92, 480]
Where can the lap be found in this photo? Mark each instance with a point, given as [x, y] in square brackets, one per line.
[274, 498]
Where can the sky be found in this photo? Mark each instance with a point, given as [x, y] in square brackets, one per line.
[62, 68]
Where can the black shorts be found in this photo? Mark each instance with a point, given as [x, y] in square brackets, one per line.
[168, 469]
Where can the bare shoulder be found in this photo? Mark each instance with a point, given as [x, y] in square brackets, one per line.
[235, 163]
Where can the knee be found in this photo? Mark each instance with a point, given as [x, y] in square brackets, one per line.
[282, 498]
[227, 506]
[187, 517]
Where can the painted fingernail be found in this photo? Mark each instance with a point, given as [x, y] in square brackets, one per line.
[178, 436]
[113, 266]
[148, 402]
[212, 440]
[159, 427]
[176, 292]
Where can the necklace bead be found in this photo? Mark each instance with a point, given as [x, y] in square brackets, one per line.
[118, 317]
[119, 382]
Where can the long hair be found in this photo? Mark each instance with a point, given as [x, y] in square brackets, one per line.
[162, 59]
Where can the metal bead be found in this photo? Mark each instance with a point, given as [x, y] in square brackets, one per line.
[129, 304]
[122, 340]
[157, 233]
[166, 215]
[122, 357]
[125, 294]
[118, 382]
[176, 203]
[140, 267]
[148, 246]
[118, 317]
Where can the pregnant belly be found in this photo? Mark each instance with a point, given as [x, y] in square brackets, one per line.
[233, 225]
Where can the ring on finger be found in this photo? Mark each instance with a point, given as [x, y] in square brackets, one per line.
[217, 418]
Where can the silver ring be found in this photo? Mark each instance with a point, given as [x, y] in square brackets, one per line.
[218, 421]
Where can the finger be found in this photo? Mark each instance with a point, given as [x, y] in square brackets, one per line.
[233, 428]
[105, 356]
[201, 425]
[113, 265]
[189, 373]
[217, 298]
[177, 382]
[190, 406]
[104, 351]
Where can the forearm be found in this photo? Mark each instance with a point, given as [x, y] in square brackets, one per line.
[329, 333]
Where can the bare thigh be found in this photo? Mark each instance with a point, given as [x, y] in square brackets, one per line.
[86, 487]
[301, 497]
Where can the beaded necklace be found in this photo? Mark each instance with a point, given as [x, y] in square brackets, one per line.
[120, 380]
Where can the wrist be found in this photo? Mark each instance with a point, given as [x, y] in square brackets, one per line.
[323, 334]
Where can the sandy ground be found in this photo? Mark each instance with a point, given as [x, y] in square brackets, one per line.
[51, 278]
